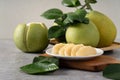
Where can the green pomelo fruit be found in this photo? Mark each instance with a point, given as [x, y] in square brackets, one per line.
[81, 33]
[31, 37]
[106, 28]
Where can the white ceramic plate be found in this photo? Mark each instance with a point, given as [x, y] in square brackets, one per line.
[99, 52]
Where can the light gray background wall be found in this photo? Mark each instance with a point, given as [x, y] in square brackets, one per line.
[13, 12]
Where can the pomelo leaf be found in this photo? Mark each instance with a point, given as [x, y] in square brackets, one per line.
[38, 67]
[71, 3]
[56, 32]
[52, 13]
[76, 17]
[71, 17]
[59, 21]
[41, 65]
[112, 71]
[81, 12]
[44, 59]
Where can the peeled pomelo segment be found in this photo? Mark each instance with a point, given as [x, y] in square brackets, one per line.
[86, 51]
[68, 50]
[57, 47]
[62, 50]
[75, 49]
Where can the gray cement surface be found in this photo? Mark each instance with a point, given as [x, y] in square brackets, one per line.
[11, 59]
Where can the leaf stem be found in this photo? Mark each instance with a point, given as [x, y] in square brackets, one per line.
[83, 6]
[87, 5]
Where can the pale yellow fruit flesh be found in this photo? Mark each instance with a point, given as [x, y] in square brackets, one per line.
[57, 47]
[68, 50]
[75, 49]
[86, 51]
[62, 51]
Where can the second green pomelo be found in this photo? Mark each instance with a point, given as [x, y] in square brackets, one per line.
[106, 28]
[81, 33]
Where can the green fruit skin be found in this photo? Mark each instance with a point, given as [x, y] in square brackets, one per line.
[81, 33]
[106, 27]
[31, 38]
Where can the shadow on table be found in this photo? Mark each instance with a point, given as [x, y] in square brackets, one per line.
[108, 52]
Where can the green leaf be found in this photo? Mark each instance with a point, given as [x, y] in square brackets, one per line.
[56, 32]
[71, 17]
[52, 13]
[41, 64]
[112, 71]
[86, 21]
[39, 68]
[60, 20]
[81, 12]
[43, 59]
[76, 17]
[71, 3]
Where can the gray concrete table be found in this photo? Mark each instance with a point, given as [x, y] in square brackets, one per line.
[11, 59]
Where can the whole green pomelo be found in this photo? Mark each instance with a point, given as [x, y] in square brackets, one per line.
[81, 33]
[106, 28]
[32, 37]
